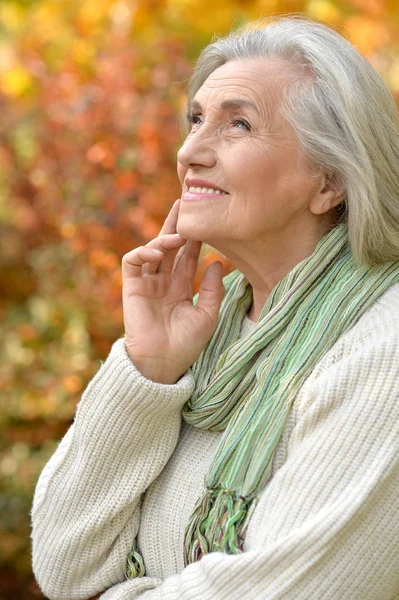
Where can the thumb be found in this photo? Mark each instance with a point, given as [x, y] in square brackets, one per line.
[211, 291]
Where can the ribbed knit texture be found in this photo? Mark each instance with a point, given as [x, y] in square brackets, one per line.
[326, 526]
[248, 388]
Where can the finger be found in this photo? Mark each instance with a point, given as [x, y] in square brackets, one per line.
[132, 262]
[187, 260]
[211, 291]
[175, 259]
[167, 265]
[166, 242]
[169, 244]
[170, 223]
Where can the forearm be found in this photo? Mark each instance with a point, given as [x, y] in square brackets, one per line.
[87, 498]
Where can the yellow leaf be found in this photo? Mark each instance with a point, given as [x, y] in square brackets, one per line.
[82, 51]
[11, 16]
[16, 82]
[48, 22]
[322, 10]
[91, 14]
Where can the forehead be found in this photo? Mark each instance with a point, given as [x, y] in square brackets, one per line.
[260, 80]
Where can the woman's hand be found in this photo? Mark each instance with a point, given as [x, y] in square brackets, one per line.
[164, 332]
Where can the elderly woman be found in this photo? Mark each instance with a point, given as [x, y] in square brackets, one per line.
[245, 444]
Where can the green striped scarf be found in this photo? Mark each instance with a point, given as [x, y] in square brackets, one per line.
[246, 387]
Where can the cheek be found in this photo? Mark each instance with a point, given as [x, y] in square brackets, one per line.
[259, 159]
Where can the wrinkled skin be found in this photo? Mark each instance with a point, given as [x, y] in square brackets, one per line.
[276, 209]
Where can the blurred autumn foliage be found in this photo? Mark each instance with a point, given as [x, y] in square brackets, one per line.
[90, 93]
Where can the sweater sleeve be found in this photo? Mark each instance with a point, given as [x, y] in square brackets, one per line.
[87, 501]
[327, 524]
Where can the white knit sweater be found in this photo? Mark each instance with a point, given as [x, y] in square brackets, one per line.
[326, 526]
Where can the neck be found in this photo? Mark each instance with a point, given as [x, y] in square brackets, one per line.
[266, 262]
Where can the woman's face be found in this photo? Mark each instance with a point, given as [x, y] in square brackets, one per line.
[240, 143]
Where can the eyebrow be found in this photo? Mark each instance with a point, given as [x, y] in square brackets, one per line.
[226, 104]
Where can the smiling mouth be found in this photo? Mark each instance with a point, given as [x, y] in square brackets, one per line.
[205, 190]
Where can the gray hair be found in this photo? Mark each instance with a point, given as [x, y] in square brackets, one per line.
[344, 117]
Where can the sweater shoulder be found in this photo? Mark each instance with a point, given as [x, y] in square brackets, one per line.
[381, 318]
[361, 368]
[376, 331]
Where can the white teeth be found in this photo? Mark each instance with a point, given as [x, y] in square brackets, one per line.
[204, 190]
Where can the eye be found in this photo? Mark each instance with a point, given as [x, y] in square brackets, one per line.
[239, 123]
[194, 118]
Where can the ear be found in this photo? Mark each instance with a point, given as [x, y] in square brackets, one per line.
[329, 193]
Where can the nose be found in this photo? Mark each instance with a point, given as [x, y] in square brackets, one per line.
[199, 149]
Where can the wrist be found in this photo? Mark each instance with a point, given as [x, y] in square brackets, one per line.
[156, 376]
[153, 370]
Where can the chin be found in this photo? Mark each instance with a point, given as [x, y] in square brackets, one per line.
[189, 231]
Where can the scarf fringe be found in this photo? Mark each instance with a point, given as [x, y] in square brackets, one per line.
[218, 524]
[134, 564]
